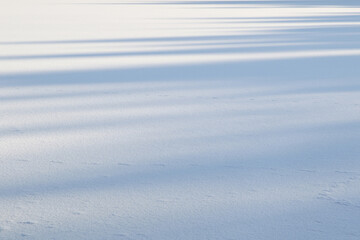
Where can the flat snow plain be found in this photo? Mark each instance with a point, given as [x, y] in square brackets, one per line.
[179, 119]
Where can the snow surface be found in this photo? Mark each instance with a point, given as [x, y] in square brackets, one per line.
[179, 119]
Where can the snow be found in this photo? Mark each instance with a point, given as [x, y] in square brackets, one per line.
[179, 119]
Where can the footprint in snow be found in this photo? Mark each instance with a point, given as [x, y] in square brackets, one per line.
[27, 223]
[59, 162]
[123, 164]
[119, 235]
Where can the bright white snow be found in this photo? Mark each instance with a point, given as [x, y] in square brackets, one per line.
[179, 119]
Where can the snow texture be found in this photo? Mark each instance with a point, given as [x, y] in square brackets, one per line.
[161, 119]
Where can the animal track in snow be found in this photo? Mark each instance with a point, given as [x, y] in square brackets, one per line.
[345, 193]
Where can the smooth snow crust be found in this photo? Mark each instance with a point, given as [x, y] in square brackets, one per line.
[179, 120]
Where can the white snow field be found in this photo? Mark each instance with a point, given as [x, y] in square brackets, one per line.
[180, 119]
